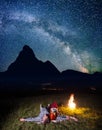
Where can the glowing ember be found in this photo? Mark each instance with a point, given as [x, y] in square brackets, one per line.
[71, 103]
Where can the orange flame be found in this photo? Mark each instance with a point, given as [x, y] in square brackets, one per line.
[71, 103]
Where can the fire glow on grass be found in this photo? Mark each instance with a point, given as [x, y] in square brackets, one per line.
[71, 103]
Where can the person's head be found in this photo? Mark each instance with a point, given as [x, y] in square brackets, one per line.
[46, 118]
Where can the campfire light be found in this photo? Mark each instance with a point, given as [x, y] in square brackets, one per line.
[71, 103]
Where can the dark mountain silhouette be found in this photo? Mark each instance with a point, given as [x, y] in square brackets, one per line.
[27, 65]
[75, 78]
[74, 74]
[27, 71]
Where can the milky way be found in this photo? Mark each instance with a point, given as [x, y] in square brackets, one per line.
[66, 32]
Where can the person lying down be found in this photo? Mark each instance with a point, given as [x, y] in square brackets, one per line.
[43, 117]
[47, 116]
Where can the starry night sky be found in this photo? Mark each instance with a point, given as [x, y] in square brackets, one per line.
[66, 32]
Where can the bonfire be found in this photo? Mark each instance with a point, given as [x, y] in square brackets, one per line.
[71, 103]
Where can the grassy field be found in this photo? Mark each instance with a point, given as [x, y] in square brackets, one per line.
[88, 112]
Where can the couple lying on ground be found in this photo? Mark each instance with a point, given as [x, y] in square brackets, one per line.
[47, 114]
